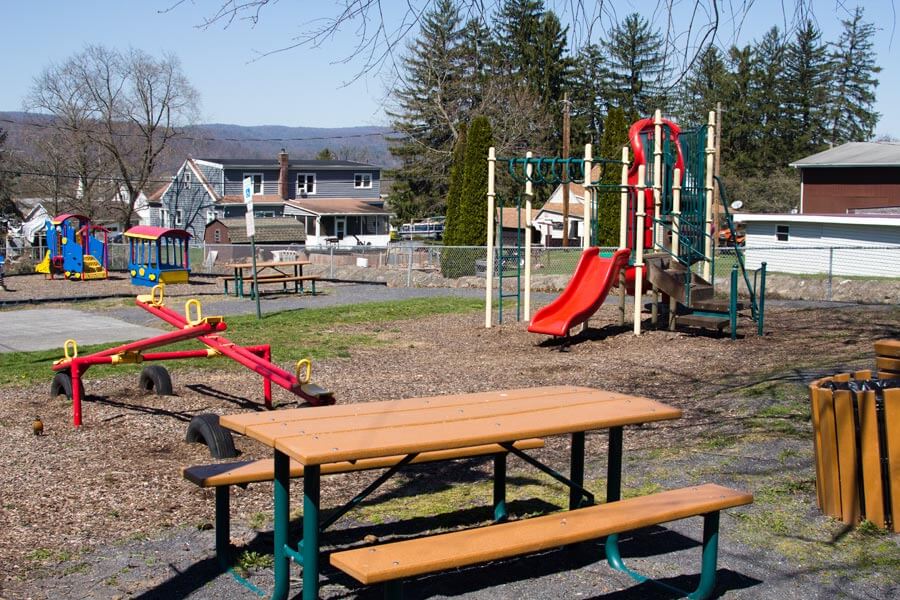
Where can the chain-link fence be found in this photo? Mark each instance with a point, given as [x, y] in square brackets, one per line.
[415, 263]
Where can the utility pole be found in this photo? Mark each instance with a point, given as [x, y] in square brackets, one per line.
[565, 177]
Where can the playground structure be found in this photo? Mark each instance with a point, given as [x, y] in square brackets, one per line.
[158, 255]
[666, 230]
[76, 249]
[190, 325]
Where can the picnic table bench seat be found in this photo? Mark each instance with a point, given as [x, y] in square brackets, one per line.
[284, 279]
[222, 476]
[391, 563]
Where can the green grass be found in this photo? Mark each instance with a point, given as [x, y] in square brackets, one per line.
[292, 335]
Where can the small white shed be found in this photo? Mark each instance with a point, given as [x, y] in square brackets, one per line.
[866, 245]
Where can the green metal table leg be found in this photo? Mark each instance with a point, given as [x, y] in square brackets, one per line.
[500, 513]
[576, 469]
[311, 481]
[614, 465]
[732, 302]
[762, 300]
[282, 523]
[223, 526]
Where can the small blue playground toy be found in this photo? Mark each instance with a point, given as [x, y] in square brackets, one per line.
[158, 255]
[76, 249]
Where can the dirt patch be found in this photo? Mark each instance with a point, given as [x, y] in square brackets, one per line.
[71, 498]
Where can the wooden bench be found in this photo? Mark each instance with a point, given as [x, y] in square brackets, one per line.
[222, 476]
[393, 562]
[284, 279]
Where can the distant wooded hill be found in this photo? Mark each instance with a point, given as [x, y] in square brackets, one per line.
[219, 140]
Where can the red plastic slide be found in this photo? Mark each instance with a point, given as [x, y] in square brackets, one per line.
[594, 277]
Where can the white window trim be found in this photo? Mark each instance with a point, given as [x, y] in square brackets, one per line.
[179, 215]
[307, 192]
[363, 177]
[262, 181]
[188, 179]
[782, 230]
[210, 215]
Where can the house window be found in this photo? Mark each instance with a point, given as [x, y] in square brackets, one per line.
[257, 182]
[210, 216]
[782, 232]
[217, 235]
[362, 181]
[264, 213]
[178, 217]
[187, 179]
[306, 184]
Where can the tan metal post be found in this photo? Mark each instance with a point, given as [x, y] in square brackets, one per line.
[623, 231]
[710, 165]
[639, 250]
[588, 197]
[676, 233]
[657, 179]
[529, 194]
[489, 262]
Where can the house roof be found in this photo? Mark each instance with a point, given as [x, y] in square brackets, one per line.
[575, 209]
[268, 229]
[273, 163]
[257, 199]
[156, 195]
[509, 218]
[854, 154]
[865, 219]
[337, 206]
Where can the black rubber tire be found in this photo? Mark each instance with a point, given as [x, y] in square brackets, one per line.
[155, 378]
[62, 386]
[205, 429]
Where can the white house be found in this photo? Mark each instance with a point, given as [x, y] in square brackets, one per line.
[549, 219]
[836, 244]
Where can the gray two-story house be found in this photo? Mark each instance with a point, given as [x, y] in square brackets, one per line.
[337, 201]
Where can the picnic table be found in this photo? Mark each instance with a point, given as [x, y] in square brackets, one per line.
[284, 272]
[320, 437]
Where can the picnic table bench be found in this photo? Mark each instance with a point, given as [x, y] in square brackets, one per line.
[283, 272]
[321, 440]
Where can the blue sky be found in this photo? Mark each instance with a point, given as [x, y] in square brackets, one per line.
[305, 86]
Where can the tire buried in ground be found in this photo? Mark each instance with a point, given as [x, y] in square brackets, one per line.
[205, 429]
[155, 378]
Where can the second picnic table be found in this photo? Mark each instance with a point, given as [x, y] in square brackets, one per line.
[284, 272]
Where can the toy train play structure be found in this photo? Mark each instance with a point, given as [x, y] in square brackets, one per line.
[76, 249]
[158, 255]
[667, 227]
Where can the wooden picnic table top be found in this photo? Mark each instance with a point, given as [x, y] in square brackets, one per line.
[270, 263]
[322, 435]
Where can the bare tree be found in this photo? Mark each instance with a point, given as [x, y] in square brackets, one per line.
[689, 26]
[117, 112]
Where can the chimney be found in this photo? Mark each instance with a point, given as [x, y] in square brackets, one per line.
[283, 186]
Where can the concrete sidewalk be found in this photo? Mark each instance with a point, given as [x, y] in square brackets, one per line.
[48, 328]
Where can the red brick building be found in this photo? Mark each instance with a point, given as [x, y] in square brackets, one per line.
[857, 177]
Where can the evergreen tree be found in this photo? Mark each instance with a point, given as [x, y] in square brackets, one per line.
[615, 135]
[517, 25]
[706, 84]
[636, 67]
[806, 98]
[767, 101]
[325, 154]
[454, 194]
[473, 204]
[589, 103]
[738, 121]
[430, 101]
[851, 115]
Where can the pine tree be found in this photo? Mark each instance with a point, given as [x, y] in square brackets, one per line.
[325, 154]
[430, 101]
[473, 204]
[587, 94]
[454, 194]
[706, 84]
[636, 67]
[517, 25]
[615, 135]
[738, 121]
[806, 98]
[851, 116]
[767, 101]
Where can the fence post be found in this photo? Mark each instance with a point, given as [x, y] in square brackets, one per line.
[331, 261]
[830, 271]
[409, 267]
